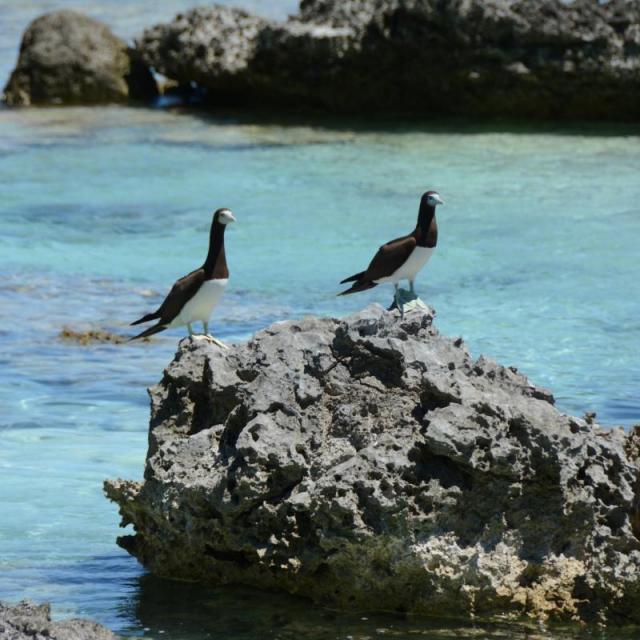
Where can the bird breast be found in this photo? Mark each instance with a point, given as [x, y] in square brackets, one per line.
[418, 258]
[201, 305]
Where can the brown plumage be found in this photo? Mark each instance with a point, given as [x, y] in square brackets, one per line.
[397, 259]
[182, 291]
[186, 288]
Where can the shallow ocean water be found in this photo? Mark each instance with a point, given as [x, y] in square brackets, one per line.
[102, 209]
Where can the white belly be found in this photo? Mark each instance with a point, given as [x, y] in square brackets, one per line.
[200, 307]
[418, 258]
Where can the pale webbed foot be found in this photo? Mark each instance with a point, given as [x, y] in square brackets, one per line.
[209, 338]
[217, 342]
[405, 301]
[406, 297]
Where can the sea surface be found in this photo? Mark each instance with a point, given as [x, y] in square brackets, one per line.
[102, 209]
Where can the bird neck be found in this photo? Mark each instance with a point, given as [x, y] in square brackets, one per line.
[426, 231]
[215, 266]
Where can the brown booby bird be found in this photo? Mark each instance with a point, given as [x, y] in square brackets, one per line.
[193, 297]
[403, 257]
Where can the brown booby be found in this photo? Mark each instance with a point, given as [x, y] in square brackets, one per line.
[193, 297]
[403, 257]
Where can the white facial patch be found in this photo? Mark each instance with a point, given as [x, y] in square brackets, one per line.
[226, 217]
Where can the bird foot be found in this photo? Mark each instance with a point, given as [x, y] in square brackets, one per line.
[407, 301]
[210, 338]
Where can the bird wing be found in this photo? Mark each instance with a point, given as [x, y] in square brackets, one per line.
[181, 292]
[390, 257]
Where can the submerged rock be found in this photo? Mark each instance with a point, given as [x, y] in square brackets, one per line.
[90, 336]
[542, 58]
[371, 463]
[69, 58]
[87, 337]
[29, 621]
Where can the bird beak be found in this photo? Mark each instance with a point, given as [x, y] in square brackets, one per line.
[438, 199]
[232, 218]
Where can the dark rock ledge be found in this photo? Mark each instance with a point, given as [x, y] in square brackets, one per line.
[29, 621]
[369, 463]
[506, 58]
[521, 58]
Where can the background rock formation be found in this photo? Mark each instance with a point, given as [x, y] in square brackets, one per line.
[540, 58]
[68, 58]
[372, 463]
[28, 621]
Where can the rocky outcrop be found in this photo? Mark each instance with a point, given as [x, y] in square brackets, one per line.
[28, 621]
[69, 58]
[202, 44]
[372, 463]
[541, 58]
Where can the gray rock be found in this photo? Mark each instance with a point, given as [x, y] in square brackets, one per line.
[205, 42]
[69, 58]
[29, 621]
[372, 463]
[542, 58]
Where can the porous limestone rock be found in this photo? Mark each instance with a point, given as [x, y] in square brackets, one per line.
[69, 58]
[540, 58]
[29, 621]
[372, 463]
[203, 43]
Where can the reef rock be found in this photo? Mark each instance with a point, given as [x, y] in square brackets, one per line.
[204, 43]
[69, 58]
[541, 58]
[371, 463]
[28, 621]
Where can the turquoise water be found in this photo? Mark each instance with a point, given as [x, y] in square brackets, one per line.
[101, 209]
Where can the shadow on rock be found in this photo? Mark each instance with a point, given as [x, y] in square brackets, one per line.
[170, 609]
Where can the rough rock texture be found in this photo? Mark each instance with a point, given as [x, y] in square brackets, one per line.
[202, 44]
[542, 58]
[29, 621]
[69, 58]
[372, 463]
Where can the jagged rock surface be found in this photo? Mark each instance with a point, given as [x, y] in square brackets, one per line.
[69, 58]
[372, 463]
[29, 621]
[542, 58]
[204, 43]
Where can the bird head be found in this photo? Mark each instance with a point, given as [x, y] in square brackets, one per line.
[432, 198]
[224, 216]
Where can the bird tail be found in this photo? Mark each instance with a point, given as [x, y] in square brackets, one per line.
[353, 278]
[150, 331]
[149, 316]
[359, 286]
